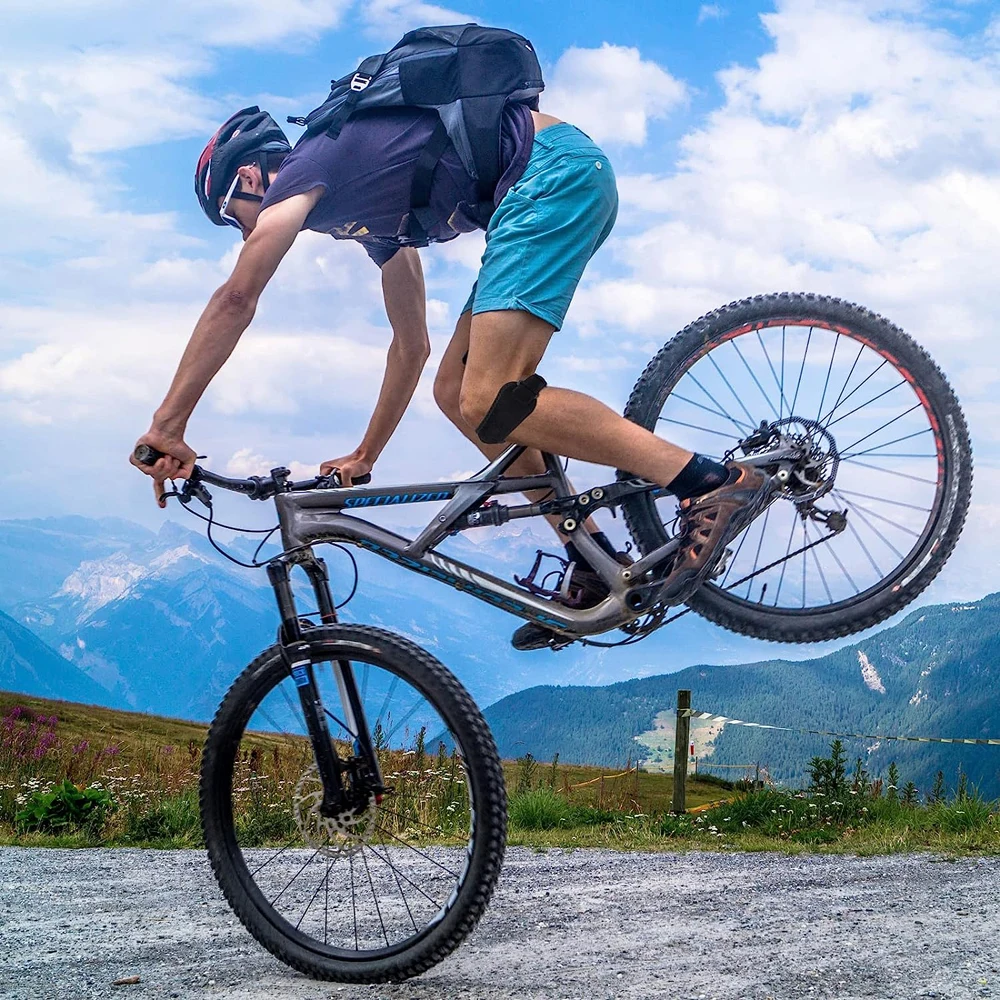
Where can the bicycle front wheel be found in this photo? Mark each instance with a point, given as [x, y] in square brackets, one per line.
[388, 890]
[874, 501]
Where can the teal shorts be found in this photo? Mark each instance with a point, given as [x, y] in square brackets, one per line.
[547, 227]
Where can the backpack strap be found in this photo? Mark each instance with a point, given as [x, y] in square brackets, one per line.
[422, 219]
[367, 72]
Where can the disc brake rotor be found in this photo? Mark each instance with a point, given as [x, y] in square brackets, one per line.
[336, 836]
[813, 471]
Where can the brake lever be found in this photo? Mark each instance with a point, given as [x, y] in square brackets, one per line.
[195, 490]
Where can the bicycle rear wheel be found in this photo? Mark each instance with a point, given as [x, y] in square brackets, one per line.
[884, 444]
[382, 893]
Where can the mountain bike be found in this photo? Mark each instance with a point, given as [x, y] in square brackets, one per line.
[352, 798]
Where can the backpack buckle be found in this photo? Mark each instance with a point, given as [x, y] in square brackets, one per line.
[359, 81]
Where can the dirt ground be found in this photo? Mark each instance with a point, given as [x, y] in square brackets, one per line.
[563, 925]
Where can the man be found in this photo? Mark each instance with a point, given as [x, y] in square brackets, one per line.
[555, 204]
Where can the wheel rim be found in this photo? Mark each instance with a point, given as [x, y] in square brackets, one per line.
[890, 469]
[372, 886]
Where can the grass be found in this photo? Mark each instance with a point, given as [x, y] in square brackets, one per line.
[149, 766]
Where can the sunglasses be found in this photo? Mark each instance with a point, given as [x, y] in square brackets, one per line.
[223, 211]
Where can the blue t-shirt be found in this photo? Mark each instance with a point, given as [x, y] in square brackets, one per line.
[366, 174]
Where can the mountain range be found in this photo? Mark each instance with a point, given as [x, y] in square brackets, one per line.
[936, 673]
[161, 622]
[109, 612]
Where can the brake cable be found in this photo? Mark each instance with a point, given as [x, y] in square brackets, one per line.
[185, 499]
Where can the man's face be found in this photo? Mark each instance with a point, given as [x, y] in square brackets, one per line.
[245, 212]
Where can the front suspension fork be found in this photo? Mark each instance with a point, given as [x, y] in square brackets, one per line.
[296, 652]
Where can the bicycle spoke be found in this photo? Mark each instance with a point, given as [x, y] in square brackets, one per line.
[781, 386]
[843, 569]
[829, 372]
[864, 520]
[354, 905]
[392, 812]
[739, 548]
[292, 709]
[894, 503]
[385, 861]
[388, 697]
[819, 568]
[846, 452]
[295, 840]
[399, 885]
[840, 402]
[312, 898]
[805, 541]
[720, 412]
[409, 715]
[416, 850]
[736, 395]
[888, 423]
[756, 558]
[880, 517]
[378, 909]
[788, 549]
[305, 865]
[847, 381]
[782, 402]
[767, 399]
[875, 566]
[874, 399]
[802, 368]
[695, 427]
[889, 472]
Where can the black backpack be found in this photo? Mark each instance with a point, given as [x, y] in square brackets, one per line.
[467, 73]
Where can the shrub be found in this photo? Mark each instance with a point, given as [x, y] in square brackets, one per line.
[65, 807]
[539, 809]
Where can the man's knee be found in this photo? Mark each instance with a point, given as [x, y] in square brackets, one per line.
[447, 389]
[496, 410]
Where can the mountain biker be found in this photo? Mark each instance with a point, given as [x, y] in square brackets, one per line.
[555, 204]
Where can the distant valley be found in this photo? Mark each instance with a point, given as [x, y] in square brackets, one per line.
[160, 622]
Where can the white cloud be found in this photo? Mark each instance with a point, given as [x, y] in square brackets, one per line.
[611, 93]
[710, 12]
[858, 158]
[389, 20]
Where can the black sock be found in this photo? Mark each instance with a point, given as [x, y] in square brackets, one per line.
[573, 553]
[701, 475]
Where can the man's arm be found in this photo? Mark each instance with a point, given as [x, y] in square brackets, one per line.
[217, 333]
[406, 307]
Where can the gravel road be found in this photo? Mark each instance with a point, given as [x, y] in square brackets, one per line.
[563, 925]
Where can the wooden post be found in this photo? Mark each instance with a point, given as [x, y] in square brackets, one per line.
[681, 739]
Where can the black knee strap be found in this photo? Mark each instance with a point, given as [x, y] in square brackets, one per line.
[514, 403]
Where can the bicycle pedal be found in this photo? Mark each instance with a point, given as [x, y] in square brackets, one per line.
[721, 565]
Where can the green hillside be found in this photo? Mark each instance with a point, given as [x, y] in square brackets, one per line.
[936, 673]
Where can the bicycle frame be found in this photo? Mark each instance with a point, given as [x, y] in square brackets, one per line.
[308, 518]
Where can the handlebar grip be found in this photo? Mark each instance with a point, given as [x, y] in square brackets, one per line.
[145, 454]
[363, 480]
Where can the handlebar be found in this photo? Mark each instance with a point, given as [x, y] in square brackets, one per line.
[255, 487]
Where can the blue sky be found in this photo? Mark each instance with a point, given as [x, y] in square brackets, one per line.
[849, 147]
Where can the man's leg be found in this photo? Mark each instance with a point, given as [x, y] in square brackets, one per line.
[507, 347]
[447, 394]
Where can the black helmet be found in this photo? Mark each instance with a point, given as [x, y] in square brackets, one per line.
[250, 134]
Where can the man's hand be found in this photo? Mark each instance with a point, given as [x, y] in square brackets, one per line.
[349, 467]
[177, 462]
